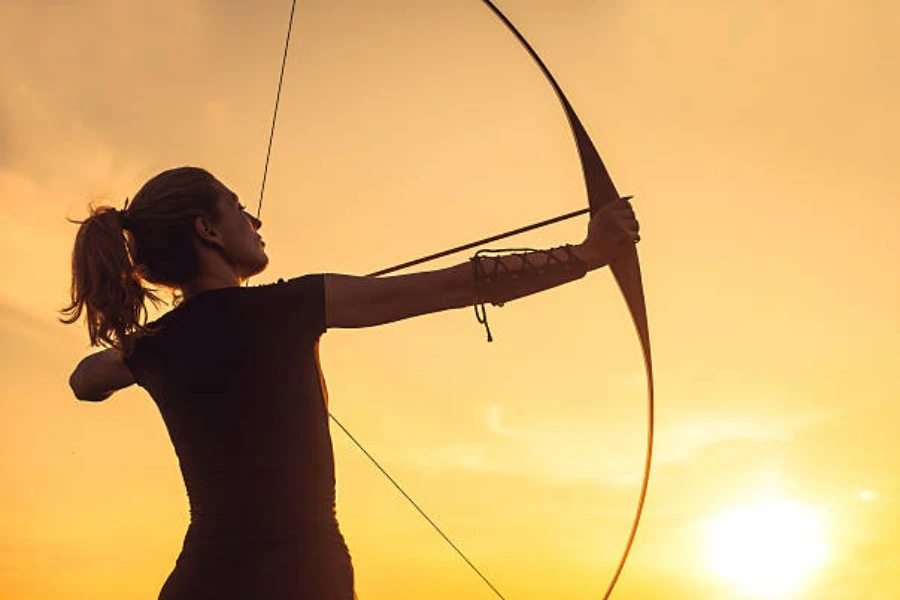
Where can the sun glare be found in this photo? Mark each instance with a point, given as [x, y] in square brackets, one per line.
[767, 550]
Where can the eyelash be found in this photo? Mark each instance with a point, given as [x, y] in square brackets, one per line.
[242, 208]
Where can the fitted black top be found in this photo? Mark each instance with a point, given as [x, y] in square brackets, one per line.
[235, 374]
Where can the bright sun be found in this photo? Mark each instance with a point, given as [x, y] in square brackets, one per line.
[767, 549]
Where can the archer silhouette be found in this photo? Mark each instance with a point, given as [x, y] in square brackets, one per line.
[235, 370]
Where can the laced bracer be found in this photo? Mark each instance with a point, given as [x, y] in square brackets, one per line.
[497, 282]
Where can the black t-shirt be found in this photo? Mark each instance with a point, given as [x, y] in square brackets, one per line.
[235, 374]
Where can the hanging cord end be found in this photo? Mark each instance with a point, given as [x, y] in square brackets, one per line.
[481, 280]
[481, 315]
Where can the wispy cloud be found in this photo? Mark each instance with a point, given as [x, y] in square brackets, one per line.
[579, 452]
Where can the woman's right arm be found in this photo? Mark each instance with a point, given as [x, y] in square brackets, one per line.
[99, 375]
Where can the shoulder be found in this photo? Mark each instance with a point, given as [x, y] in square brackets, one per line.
[136, 343]
[303, 287]
[309, 281]
[138, 346]
[299, 301]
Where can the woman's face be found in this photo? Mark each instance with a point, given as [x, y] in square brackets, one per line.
[242, 244]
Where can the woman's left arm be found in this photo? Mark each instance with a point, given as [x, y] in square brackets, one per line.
[368, 301]
[354, 301]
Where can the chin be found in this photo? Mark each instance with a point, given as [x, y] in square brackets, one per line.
[257, 266]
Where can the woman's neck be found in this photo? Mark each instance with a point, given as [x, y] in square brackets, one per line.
[209, 281]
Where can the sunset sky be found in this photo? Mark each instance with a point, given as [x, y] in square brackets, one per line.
[759, 139]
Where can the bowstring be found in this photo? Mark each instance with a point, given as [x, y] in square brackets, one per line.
[287, 43]
[352, 438]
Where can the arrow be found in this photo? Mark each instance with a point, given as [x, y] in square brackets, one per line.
[487, 240]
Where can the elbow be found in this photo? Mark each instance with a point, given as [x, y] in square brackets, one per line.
[76, 383]
[76, 386]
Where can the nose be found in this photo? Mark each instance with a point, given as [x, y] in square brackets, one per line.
[257, 224]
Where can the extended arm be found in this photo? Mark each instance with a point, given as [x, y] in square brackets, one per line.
[353, 301]
[99, 375]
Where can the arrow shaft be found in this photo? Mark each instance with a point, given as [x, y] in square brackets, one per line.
[487, 240]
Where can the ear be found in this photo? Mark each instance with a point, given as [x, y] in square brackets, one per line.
[207, 232]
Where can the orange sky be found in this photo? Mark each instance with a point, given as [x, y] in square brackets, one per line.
[759, 140]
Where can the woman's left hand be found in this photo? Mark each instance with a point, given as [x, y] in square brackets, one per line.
[611, 230]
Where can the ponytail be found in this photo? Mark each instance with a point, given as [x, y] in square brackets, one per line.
[106, 286]
[150, 241]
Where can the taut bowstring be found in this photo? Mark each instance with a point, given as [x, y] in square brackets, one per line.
[352, 438]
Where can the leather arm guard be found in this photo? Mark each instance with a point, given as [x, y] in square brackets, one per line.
[497, 283]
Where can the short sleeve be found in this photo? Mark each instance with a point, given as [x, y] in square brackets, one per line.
[304, 299]
[137, 359]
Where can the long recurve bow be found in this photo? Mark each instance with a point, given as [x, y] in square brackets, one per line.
[626, 270]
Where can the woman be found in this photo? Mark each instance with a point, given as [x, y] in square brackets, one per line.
[235, 373]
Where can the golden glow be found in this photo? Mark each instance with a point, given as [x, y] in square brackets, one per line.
[767, 549]
[760, 140]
